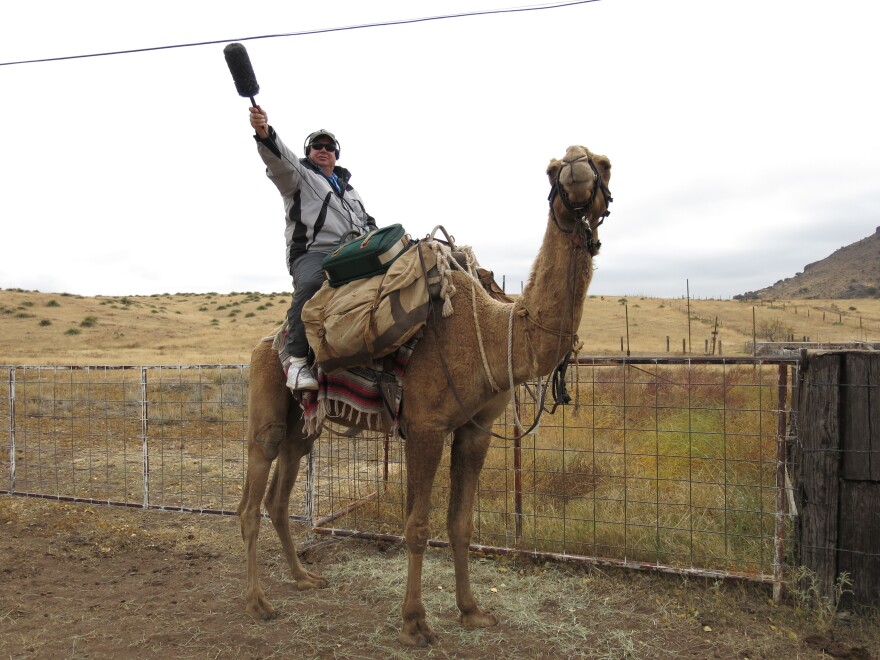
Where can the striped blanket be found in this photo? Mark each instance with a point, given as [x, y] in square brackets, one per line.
[368, 396]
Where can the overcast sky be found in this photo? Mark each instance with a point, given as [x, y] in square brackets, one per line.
[743, 135]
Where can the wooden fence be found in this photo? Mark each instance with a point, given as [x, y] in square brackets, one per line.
[838, 470]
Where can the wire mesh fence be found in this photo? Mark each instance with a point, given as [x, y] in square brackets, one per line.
[162, 437]
[675, 464]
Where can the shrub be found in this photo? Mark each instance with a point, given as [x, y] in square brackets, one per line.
[89, 322]
[45, 322]
[54, 303]
[72, 331]
[774, 330]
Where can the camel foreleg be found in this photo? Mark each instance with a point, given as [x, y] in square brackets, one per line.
[422, 458]
[469, 450]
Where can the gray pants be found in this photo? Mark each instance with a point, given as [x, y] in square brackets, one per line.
[307, 279]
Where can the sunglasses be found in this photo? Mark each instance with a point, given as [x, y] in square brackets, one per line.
[317, 146]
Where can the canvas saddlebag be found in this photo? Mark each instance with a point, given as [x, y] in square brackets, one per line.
[365, 256]
[370, 317]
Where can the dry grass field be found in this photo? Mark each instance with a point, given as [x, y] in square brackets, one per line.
[80, 580]
[58, 328]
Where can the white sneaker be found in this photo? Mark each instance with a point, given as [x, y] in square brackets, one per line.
[299, 378]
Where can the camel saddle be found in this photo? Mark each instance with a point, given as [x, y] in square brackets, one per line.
[363, 332]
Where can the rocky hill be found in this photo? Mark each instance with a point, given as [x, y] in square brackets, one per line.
[850, 272]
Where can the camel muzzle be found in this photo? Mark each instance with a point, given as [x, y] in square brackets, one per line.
[582, 233]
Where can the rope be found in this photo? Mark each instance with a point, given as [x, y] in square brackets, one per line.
[516, 419]
[470, 260]
[443, 255]
[577, 345]
[492, 382]
[558, 333]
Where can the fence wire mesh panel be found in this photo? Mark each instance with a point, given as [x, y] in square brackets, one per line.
[671, 463]
[162, 437]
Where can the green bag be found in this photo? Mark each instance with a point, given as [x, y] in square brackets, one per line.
[365, 256]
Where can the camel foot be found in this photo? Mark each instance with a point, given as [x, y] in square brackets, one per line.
[259, 608]
[311, 581]
[417, 633]
[478, 620]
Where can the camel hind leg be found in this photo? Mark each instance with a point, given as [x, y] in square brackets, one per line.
[274, 431]
[278, 498]
[249, 510]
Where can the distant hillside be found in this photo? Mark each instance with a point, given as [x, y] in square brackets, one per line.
[850, 272]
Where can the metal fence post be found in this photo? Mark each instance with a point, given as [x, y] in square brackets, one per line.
[779, 532]
[517, 468]
[12, 430]
[310, 490]
[144, 429]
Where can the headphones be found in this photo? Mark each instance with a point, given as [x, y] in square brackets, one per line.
[307, 145]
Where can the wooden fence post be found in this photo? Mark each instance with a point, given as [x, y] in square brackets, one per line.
[859, 535]
[839, 477]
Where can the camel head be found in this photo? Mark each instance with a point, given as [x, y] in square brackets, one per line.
[579, 195]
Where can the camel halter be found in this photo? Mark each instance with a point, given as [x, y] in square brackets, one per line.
[582, 233]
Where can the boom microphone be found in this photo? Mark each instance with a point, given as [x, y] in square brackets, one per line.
[242, 72]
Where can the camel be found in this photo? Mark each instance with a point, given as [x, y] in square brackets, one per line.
[445, 391]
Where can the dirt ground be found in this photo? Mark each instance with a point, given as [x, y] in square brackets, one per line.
[88, 581]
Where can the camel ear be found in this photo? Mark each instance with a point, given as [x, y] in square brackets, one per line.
[553, 170]
[604, 167]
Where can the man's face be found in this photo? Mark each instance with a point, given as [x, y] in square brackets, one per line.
[323, 152]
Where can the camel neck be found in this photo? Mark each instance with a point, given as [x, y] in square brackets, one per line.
[553, 299]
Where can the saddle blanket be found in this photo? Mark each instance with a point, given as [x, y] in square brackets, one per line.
[365, 396]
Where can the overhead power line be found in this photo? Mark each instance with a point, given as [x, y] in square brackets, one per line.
[511, 10]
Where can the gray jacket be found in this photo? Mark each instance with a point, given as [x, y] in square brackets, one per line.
[318, 218]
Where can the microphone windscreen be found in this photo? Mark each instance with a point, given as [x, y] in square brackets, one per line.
[242, 72]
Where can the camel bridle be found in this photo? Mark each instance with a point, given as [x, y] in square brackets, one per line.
[582, 233]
